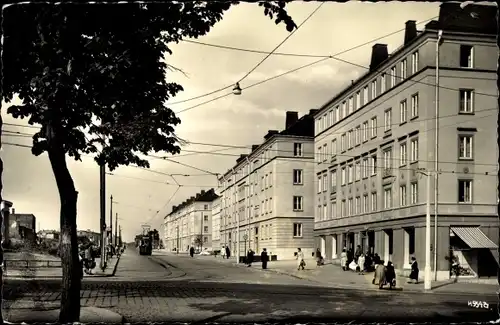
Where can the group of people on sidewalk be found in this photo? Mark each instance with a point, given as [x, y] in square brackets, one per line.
[87, 254]
[384, 273]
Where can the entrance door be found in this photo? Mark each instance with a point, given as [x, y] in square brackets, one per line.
[486, 264]
[350, 242]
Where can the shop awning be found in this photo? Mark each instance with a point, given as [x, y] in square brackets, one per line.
[474, 237]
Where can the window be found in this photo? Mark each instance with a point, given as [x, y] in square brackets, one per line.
[317, 217]
[403, 69]
[374, 201]
[382, 83]
[357, 206]
[365, 131]
[325, 152]
[414, 150]
[350, 108]
[373, 126]
[297, 230]
[205, 229]
[402, 154]
[343, 113]
[325, 122]
[365, 95]
[393, 77]
[374, 89]
[414, 62]
[465, 147]
[358, 100]
[466, 56]
[464, 191]
[365, 168]
[297, 203]
[205, 207]
[349, 173]
[358, 135]
[350, 207]
[365, 204]
[350, 139]
[466, 101]
[205, 239]
[373, 165]
[333, 181]
[337, 114]
[414, 193]
[334, 147]
[402, 111]
[358, 170]
[297, 149]
[342, 176]
[325, 211]
[402, 195]
[414, 106]
[319, 155]
[387, 159]
[333, 209]
[387, 198]
[342, 208]
[297, 176]
[205, 218]
[325, 182]
[342, 143]
[387, 120]
[319, 184]
[330, 118]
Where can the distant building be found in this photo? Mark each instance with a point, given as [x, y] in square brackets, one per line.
[93, 236]
[20, 226]
[268, 196]
[190, 221]
[48, 234]
[216, 208]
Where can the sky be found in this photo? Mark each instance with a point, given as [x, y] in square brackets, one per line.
[142, 196]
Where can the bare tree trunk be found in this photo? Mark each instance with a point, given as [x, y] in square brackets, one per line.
[68, 246]
[1, 223]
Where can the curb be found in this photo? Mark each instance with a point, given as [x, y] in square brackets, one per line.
[90, 315]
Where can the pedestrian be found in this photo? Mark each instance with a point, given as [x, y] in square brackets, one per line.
[264, 258]
[379, 276]
[319, 258]
[191, 251]
[361, 264]
[250, 255]
[358, 253]
[343, 260]
[414, 270]
[228, 252]
[300, 259]
[223, 252]
[390, 275]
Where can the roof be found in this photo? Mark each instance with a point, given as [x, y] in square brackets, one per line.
[203, 196]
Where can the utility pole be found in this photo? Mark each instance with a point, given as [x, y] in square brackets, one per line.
[436, 150]
[120, 242]
[102, 180]
[111, 220]
[427, 268]
[116, 229]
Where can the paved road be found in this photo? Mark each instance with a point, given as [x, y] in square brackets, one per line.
[227, 297]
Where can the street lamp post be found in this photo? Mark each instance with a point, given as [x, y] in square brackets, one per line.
[427, 269]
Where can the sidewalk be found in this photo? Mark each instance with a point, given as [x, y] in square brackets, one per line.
[27, 311]
[56, 272]
[333, 276]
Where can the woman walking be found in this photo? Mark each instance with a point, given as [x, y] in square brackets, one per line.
[300, 259]
[343, 260]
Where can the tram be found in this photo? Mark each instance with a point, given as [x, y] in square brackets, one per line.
[144, 245]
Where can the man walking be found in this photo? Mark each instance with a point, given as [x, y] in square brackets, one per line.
[264, 258]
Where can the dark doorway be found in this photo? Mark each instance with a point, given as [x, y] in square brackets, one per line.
[487, 266]
[371, 241]
[350, 241]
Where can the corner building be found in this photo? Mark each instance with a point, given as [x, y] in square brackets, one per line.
[267, 197]
[373, 138]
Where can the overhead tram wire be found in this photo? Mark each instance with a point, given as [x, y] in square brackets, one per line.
[323, 58]
[256, 66]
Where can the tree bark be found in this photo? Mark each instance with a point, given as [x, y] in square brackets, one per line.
[68, 246]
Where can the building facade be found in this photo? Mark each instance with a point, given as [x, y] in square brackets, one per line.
[267, 197]
[190, 223]
[376, 142]
[216, 208]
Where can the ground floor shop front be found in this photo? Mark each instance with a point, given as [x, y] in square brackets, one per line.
[471, 240]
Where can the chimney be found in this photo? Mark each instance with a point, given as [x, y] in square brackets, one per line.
[379, 55]
[255, 146]
[13, 211]
[270, 133]
[192, 198]
[313, 111]
[291, 118]
[410, 31]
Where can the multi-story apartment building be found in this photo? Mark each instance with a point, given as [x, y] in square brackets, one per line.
[190, 223]
[374, 139]
[216, 208]
[267, 197]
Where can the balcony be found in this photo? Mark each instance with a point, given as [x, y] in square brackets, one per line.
[387, 172]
